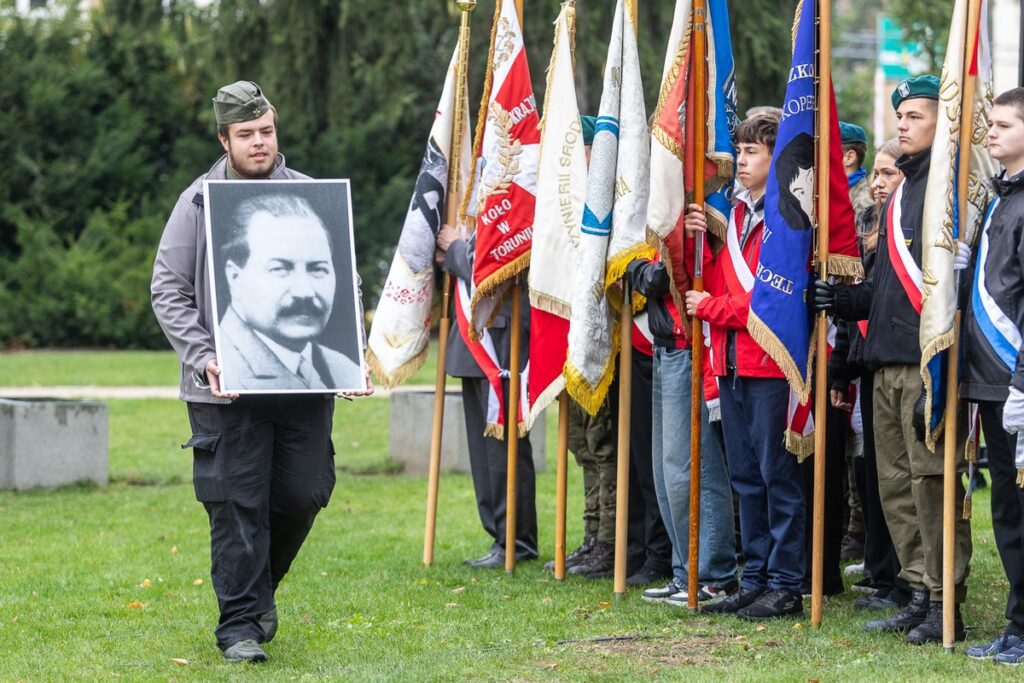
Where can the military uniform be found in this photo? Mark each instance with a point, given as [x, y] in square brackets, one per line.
[592, 442]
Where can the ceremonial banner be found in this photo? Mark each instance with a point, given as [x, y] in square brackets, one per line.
[673, 134]
[780, 320]
[941, 220]
[506, 171]
[613, 221]
[561, 192]
[400, 333]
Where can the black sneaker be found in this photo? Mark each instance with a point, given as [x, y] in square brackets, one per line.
[910, 617]
[930, 630]
[576, 556]
[735, 602]
[245, 651]
[599, 563]
[774, 604]
[645, 576]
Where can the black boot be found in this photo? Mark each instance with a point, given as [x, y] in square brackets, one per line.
[930, 630]
[599, 563]
[577, 556]
[907, 618]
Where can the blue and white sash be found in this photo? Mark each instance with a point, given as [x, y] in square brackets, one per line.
[999, 330]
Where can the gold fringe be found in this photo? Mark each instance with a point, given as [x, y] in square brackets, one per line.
[767, 340]
[799, 445]
[1020, 477]
[617, 266]
[570, 18]
[481, 117]
[667, 141]
[845, 266]
[970, 450]
[490, 286]
[495, 431]
[591, 398]
[932, 349]
[401, 374]
[549, 304]
[967, 507]
[543, 401]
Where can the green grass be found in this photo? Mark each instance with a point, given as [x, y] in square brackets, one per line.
[358, 604]
[88, 368]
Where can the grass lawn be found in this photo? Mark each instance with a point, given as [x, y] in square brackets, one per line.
[112, 583]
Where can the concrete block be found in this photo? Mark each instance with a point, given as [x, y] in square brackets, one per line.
[412, 418]
[45, 443]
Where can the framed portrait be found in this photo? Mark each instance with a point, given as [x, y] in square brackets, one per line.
[282, 268]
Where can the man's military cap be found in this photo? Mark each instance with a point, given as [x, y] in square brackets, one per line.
[239, 102]
[926, 86]
[589, 123]
[851, 132]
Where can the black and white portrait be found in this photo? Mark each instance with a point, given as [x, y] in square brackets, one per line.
[282, 262]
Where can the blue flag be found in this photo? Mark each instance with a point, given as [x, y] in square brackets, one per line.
[779, 319]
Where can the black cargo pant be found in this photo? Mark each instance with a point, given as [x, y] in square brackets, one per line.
[263, 467]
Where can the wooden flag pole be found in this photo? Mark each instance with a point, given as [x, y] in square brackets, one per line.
[622, 450]
[949, 473]
[512, 431]
[452, 201]
[824, 102]
[697, 327]
[561, 486]
[625, 412]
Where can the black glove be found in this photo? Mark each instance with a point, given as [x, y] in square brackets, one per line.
[650, 278]
[823, 297]
[918, 420]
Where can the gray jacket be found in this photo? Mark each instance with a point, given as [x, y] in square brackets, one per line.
[180, 287]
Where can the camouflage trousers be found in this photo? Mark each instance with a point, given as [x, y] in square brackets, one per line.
[592, 442]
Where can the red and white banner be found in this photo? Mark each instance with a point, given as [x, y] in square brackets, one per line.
[506, 169]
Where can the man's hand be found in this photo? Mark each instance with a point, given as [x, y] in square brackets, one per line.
[693, 299]
[213, 377]
[839, 400]
[1013, 412]
[823, 297]
[962, 257]
[358, 394]
[445, 236]
[695, 221]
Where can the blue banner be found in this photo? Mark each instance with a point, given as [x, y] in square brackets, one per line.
[780, 319]
[723, 105]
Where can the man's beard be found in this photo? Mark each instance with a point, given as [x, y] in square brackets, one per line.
[246, 169]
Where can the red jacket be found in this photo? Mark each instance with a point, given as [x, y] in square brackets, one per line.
[726, 310]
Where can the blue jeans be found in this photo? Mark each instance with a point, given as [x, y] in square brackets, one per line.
[767, 480]
[671, 453]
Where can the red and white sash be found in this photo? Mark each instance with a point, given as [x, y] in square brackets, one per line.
[739, 279]
[486, 357]
[908, 272]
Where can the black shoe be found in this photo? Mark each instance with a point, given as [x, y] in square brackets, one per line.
[645, 576]
[600, 563]
[906, 619]
[852, 549]
[245, 651]
[497, 559]
[473, 562]
[735, 602]
[268, 622]
[930, 630]
[774, 604]
[875, 602]
[576, 556]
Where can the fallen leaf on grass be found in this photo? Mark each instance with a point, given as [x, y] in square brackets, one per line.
[547, 601]
[798, 627]
[146, 583]
[449, 605]
[550, 666]
[460, 589]
[197, 582]
[174, 550]
[179, 661]
[604, 605]
[761, 628]
[136, 605]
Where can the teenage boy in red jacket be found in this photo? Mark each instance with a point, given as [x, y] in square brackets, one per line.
[754, 398]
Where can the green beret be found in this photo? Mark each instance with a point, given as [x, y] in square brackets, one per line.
[589, 124]
[851, 132]
[239, 102]
[926, 86]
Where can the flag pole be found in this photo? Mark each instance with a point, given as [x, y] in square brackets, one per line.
[512, 423]
[697, 327]
[561, 484]
[949, 473]
[625, 405]
[823, 120]
[444, 327]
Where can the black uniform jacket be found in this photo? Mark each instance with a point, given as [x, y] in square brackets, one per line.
[893, 324]
[986, 377]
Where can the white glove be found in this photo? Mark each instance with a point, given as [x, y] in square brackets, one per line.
[1013, 412]
[962, 257]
